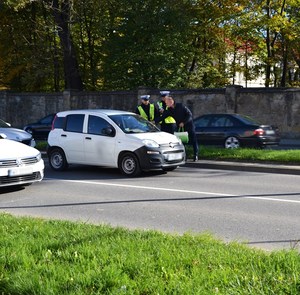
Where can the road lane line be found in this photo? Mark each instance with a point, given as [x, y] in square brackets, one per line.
[142, 187]
[173, 190]
[272, 199]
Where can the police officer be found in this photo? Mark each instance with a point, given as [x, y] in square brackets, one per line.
[184, 118]
[146, 109]
[169, 123]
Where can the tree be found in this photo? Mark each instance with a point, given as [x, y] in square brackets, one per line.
[51, 45]
[34, 34]
[24, 49]
[277, 27]
[147, 44]
[242, 42]
[61, 11]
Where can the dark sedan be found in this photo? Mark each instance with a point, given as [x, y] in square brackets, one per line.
[234, 130]
[40, 129]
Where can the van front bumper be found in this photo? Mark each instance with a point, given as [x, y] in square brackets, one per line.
[166, 156]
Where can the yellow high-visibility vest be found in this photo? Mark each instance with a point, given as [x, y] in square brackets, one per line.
[151, 112]
[168, 120]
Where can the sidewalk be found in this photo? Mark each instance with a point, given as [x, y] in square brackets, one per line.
[242, 166]
[295, 143]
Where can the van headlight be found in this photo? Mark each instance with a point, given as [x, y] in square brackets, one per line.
[150, 143]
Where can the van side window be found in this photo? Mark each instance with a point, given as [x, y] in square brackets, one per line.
[74, 123]
[58, 122]
[99, 126]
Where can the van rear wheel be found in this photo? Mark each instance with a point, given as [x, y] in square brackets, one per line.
[129, 165]
[57, 159]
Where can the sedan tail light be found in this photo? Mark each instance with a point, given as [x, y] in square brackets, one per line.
[258, 131]
[52, 125]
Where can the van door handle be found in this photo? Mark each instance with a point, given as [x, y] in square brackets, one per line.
[64, 135]
[89, 138]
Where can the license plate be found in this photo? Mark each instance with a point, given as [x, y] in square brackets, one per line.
[172, 157]
[269, 132]
[19, 171]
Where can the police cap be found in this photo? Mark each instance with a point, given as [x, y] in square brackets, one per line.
[145, 97]
[164, 93]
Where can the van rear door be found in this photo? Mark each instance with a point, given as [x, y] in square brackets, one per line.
[71, 138]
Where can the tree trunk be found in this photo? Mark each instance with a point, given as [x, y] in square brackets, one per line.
[71, 69]
[284, 68]
[268, 44]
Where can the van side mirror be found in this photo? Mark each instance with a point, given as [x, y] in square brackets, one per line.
[108, 131]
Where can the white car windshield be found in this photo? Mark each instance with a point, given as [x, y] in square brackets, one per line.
[4, 124]
[131, 123]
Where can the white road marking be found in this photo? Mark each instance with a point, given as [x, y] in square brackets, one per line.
[275, 200]
[173, 190]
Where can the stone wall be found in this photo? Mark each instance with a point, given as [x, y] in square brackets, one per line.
[277, 106]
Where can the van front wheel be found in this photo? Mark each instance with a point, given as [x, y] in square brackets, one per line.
[129, 165]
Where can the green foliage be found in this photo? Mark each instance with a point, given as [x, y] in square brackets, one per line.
[154, 43]
[41, 145]
[146, 45]
[28, 49]
[59, 257]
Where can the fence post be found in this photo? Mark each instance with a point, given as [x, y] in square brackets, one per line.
[67, 99]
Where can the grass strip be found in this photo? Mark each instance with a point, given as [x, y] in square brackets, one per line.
[291, 157]
[58, 257]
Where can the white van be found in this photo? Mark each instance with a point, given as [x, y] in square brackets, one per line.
[112, 138]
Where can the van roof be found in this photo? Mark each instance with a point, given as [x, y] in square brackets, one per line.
[107, 112]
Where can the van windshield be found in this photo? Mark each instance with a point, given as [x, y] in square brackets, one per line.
[131, 123]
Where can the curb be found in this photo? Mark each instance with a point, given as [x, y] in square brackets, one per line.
[241, 166]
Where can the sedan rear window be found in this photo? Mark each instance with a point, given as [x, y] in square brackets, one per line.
[247, 120]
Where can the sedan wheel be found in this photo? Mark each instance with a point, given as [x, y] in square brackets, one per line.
[232, 142]
[57, 160]
[129, 165]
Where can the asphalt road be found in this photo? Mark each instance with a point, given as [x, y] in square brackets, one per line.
[259, 209]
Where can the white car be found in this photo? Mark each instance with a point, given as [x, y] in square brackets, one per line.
[112, 138]
[16, 134]
[20, 164]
